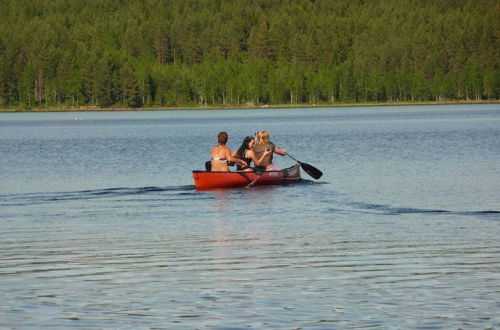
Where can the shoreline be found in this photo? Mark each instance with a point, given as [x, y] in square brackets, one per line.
[240, 107]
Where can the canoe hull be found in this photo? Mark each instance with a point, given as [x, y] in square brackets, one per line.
[211, 180]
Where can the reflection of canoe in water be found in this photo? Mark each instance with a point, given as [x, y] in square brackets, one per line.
[210, 180]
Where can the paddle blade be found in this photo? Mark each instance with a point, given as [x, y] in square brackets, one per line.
[259, 170]
[311, 170]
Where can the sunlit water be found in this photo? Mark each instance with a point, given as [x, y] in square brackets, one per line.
[101, 227]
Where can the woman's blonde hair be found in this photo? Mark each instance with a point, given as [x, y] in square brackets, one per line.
[264, 137]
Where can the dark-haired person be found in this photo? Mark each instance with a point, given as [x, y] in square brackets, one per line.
[221, 154]
[245, 152]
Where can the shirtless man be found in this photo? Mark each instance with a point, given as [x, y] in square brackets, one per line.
[222, 155]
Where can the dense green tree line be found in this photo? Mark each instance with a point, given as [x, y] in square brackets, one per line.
[185, 52]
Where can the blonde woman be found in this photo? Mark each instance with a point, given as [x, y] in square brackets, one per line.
[262, 146]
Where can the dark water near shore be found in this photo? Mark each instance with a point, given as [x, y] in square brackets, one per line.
[101, 227]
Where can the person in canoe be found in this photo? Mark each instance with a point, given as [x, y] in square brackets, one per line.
[262, 146]
[246, 153]
[221, 155]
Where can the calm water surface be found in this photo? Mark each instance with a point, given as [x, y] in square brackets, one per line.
[101, 227]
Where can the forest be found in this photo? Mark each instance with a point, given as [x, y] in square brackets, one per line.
[168, 53]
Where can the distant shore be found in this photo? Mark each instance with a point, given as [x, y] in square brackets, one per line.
[236, 107]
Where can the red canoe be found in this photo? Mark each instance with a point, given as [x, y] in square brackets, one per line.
[211, 180]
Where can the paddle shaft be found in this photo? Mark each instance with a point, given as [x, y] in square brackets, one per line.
[295, 159]
[308, 168]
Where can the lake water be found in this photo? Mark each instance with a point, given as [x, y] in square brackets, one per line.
[101, 227]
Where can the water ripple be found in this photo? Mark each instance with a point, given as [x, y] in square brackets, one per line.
[37, 198]
[391, 210]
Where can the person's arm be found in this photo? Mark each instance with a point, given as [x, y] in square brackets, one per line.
[280, 151]
[258, 161]
[231, 157]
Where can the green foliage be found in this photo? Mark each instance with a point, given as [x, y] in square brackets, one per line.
[209, 52]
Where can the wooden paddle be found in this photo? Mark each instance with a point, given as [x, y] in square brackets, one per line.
[259, 170]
